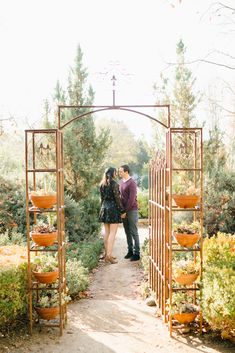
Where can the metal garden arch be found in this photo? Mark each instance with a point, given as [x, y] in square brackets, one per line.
[161, 207]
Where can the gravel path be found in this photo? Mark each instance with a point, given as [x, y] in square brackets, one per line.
[114, 319]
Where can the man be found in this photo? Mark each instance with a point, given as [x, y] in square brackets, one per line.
[128, 190]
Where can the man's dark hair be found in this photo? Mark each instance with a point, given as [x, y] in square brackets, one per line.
[125, 168]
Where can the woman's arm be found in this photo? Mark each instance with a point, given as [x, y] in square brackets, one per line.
[117, 197]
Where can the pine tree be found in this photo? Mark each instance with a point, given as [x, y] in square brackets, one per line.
[84, 150]
[179, 93]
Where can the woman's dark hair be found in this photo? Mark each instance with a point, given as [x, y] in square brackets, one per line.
[108, 176]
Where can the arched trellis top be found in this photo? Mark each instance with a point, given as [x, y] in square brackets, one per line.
[99, 108]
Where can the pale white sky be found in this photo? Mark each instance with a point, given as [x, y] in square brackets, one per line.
[39, 40]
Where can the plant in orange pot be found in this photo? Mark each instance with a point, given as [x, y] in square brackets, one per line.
[43, 234]
[43, 198]
[47, 306]
[182, 310]
[45, 268]
[186, 234]
[185, 272]
[185, 197]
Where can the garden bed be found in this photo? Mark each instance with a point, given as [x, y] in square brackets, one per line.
[12, 255]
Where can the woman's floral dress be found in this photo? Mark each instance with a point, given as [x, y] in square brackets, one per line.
[111, 206]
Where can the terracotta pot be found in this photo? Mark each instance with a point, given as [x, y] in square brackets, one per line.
[186, 201]
[46, 277]
[185, 318]
[47, 313]
[187, 279]
[44, 239]
[43, 201]
[185, 239]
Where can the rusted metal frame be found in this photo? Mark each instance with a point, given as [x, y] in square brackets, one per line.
[153, 237]
[166, 270]
[30, 306]
[170, 230]
[113, 108]
[185, 129]
[159, 233]
[165, 225]
[201, 224]
[195, 287]
[41, 131]
[61, 106]
[156, 204]
[182, 250]
[34, 170]
[162, 232]
[177, 209]
[154, 250]
[58, 189]
[157, 247]
[195, 254]
[150, 227]
[38, 170]
[63, 217]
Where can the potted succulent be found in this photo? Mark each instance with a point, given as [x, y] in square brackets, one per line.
[43, 198]
[185, 272]
[182, 310]
[185, 197]
[43, 234]
[45, 268]
[47, 306]
[186, 234]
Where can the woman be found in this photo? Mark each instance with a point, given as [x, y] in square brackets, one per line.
[110, 212]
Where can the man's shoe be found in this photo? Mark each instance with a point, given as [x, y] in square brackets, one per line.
[128, 255]
[135, 257]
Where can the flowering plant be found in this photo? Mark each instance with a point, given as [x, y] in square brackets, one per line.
[180, 304]
[51, 300]
[45, 263]
[184, 267]
[183, 189]
[42, 227]
[183, 227]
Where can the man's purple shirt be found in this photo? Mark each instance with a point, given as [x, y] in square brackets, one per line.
[128, 190]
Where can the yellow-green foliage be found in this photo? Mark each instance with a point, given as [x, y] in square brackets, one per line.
[13, 293]
[219, 281]
[145, 256]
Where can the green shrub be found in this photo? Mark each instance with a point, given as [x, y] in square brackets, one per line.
[12, 206]
[219, 195]
[12, 238]
[81, 218]
[87, 252]
[145, 256]
[77, 277]
[143, 200]
[13, 293]
[219, 282]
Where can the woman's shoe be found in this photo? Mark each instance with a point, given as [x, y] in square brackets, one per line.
[110, 259]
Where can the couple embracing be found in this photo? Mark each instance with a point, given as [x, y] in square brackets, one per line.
[119, 205]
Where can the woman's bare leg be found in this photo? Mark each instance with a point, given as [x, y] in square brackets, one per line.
[111, 239]
[106, 236]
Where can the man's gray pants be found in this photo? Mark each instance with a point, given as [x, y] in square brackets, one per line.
[130, 225]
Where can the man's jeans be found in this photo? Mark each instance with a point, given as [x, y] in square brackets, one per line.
[131, 230]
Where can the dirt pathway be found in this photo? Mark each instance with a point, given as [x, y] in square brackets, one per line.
[114, 319]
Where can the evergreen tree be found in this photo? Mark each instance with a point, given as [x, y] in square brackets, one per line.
[84, 150]
[179, 92]
[182, 99]
[84, 153]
